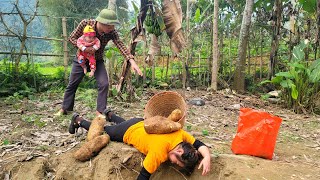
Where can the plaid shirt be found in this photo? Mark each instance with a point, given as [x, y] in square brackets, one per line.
[104, 39]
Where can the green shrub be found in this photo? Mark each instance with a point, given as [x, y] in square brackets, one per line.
[300, 83]
[27, 81]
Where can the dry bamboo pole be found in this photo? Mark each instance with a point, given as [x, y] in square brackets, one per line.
[249, 60]
[111, 72]
[32, 37]
[255, 63]
[144, 57]
[167, 67]
[230, 58]
[32, 54]
[65, 49]
[199, 68]
[261, 52]
[153, 70]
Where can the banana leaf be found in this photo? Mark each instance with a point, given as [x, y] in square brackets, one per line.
[172, 16]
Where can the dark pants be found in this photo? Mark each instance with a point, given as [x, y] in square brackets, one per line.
[117, 131]
[76, 77]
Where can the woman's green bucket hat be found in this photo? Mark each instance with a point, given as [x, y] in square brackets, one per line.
[108, 16]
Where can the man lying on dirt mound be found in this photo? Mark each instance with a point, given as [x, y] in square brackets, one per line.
[179, 147]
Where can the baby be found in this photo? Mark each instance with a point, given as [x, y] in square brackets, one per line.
[88, 39]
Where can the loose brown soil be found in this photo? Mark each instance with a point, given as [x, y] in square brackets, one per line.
[36, 145]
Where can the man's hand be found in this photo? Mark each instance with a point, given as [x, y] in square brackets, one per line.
[134, 67]
[90, 50]
[206, 161]
[205, 164]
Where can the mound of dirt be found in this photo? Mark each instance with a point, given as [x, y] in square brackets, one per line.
[120, 161]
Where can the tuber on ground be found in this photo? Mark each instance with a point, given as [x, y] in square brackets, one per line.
[92, 147]
[96, 127]
[160, 125]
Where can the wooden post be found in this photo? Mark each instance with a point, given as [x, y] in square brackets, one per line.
[110, 72]
[65, 49]
[167, 67]
[249, 58]
[153, 70]
[144, 57]
[215, 50]
[261, 53]
[230, 57]
[199, 67]
[185, 60]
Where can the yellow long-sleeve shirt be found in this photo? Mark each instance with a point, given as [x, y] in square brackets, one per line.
[155, 146]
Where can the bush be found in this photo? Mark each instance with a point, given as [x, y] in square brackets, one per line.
[300, 84]
[25, 82]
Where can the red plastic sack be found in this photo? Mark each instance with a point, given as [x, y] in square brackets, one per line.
[257, 133]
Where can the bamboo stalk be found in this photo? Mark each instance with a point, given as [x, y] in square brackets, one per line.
[33, 37]
[65, 49]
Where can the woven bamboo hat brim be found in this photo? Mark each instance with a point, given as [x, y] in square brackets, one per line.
[164, 103]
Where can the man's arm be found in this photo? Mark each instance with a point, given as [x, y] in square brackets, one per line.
[205, 152]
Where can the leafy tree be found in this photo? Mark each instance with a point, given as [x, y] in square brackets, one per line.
[21, 33]
[243, 40]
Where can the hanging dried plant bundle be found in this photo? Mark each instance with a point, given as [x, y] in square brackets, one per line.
[154, 49]
[172, 15]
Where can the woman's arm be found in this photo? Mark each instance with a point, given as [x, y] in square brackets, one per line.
[144, 174]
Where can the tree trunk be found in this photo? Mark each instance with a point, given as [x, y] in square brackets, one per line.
[292, 30]
[167, 67]
[249, 60]
[153, 69]
[307, 36]
[22, 46]
[65, 49]
[229, 51]
[185, 60]
[261, 53]
[215, 50]
[112, 5]
[239, 78]
[276, 15]
[317, 44]
[220, 49]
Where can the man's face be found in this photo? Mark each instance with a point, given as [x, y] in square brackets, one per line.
[173, 157]
[105, 28]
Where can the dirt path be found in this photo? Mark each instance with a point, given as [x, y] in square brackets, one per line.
[35, 145]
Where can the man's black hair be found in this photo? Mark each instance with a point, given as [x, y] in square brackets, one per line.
[189, 158]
